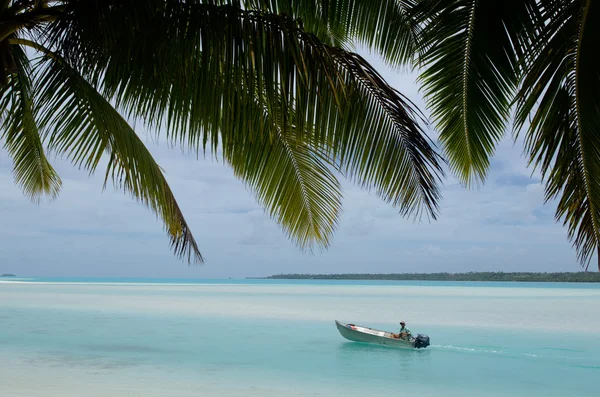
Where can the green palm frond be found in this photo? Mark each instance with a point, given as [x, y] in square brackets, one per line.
[273, 84]
[385, 26]
[287, 108]
[381, 145]
[470, 74]
[311, 15]
[290, 179]
[338, 102]
[388, 28]
[83, 125]
[560, 90]
[20, 133]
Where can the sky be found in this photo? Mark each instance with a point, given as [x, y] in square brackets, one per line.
[503, 225]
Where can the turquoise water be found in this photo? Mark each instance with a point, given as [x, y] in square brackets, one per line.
[242, 338]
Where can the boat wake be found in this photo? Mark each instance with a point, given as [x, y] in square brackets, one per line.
[566, 358]
[467, 349]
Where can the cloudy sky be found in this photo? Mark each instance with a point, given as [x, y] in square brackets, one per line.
[502, 226]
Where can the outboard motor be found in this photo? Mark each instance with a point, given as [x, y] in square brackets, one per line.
[421, 341]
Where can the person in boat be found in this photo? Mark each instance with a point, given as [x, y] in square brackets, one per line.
[404, 332]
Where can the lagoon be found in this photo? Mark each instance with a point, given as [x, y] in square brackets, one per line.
[144, 337]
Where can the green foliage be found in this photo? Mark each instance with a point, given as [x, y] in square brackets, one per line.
[383, 26]
[469, 75]
[32, 169]
[482, 60]
[286, 106]
[274, 84]
[85, 125]
[560, 89]
[292, 180]
[576, 277]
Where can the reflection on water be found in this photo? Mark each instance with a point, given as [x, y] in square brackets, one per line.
[381, 357]
[360, 348]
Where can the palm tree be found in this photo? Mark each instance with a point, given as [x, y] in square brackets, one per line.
[272, 84]
[269, 87]
[483, 61]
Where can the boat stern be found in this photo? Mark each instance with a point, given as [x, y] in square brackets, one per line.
[421, 341]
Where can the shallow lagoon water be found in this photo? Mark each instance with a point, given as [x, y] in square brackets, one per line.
[243, 338]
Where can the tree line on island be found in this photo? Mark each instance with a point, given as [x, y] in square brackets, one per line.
[568, 277]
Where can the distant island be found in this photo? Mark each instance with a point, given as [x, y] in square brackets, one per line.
[7, 275]
[566, 277]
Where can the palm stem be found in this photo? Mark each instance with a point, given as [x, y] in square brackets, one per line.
[34, 45]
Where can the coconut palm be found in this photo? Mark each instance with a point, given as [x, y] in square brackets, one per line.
[270, 88]
[483, 61]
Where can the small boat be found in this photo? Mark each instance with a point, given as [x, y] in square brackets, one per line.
[357, 333]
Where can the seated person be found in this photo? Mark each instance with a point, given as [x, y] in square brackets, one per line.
[404, 332]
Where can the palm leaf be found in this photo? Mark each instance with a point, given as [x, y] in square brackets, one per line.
[470, 74]
[379, 143]
[384, 26]
[289, 178]
[560, 90]
[83, 125]
[330, 99]
[311, 15]
[32, 170]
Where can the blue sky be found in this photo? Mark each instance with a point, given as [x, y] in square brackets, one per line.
[501, 226]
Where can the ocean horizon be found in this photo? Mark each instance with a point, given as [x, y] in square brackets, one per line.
[240, 337]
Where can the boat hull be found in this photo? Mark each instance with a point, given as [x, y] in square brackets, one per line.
[369, 335]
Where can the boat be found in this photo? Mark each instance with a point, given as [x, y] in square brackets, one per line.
[357, 333]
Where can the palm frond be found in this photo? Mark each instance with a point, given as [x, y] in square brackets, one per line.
[338, 102]
[83, 125]
[32, 170]
[470, 74]
[290, 179]
[560, 89]
[379, 143]
[385, 26]
[27, 15]
[311, 15]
